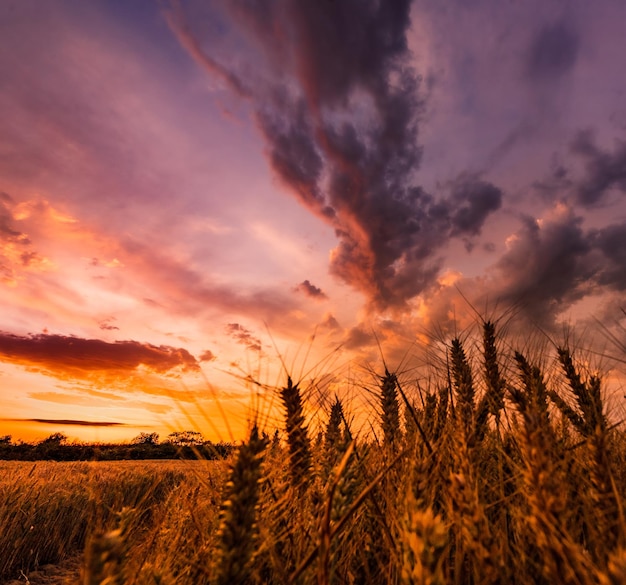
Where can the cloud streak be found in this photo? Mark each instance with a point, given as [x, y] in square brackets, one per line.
[244, 336]
[66, 422]
[184, 289]
[59, 353]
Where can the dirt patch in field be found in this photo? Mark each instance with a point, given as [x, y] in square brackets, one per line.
[66, 573]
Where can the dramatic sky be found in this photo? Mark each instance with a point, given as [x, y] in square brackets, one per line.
[190, 190]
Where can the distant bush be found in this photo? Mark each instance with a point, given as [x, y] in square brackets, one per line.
[56, 449]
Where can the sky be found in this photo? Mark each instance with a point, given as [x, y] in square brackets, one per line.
[197, 192]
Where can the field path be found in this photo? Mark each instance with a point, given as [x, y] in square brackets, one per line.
[66, 573]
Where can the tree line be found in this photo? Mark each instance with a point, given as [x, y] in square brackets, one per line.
[56, 447]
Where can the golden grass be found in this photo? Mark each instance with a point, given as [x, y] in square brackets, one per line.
[499, 472]
[50, 512]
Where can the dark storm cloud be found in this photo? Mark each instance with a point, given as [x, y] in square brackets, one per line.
[59, 353]
[338, 104]
[545, 264]
[552, 264]
[604, 170]
[473, 201]
[361, 39]
[293, 154]
[553, 52]
[611, 242]
[311, 290]
[244, 336]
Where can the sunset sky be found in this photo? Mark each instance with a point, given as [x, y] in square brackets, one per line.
[189, 190]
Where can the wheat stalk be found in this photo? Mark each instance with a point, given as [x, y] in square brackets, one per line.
[237, 532]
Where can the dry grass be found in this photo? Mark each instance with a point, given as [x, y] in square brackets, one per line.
[125, 516]
[501, 471]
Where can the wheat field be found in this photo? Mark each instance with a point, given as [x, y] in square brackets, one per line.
[508, 467]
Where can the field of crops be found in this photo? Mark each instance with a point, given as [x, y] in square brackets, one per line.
[506, 468]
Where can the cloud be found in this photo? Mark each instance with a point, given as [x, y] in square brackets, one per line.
[85, 389]
[99, 394]
[545, 266]
[340, 119]
[59, 353]
[176, 20]
[553, 52]
[97, 133]
[70, 422]
[611, 242]
[311, 290]
[86, 399]
[16, 250]
[185, 290]
[207, 356]
[553, 262]
[7, 231]
[244, 336]
[105, 325]
[330, 322]
[604, 170]
[359, 337]
[473, 201]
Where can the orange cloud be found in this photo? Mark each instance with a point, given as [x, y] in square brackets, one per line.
[61, 354]
[310, 290]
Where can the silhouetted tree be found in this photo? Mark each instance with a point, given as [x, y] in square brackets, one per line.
[55, 439]
[185, 438]
[146, 439]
